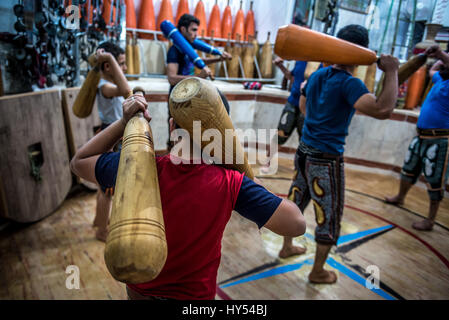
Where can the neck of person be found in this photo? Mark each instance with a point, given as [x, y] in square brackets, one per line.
[348, 68]
[186, 144]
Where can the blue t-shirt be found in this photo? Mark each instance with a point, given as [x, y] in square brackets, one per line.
[254, 202]
[330, 97]
[186, 66]
[298, 73]
[435, 109]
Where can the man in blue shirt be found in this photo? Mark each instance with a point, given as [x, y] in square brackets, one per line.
[428, 151]
[329, 101]
[291, 116]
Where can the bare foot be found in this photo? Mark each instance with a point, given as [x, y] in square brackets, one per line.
[323, 277]
[101, 234]
[423, 225]
[265, 169]
[289, 251]
[394, 200]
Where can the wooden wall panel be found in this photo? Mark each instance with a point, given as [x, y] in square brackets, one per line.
[33, 119]
[79, 131]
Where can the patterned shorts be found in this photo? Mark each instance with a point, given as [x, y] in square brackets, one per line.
[320, 178]
[291, 118]
[428, 154]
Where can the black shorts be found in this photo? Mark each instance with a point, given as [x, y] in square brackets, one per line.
[291, 118]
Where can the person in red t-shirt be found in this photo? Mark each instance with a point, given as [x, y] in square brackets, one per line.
[197, 201]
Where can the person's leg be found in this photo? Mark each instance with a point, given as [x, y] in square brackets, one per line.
[427, 224]
[289, 250]
[318, 273]
[411, 170]
[326, 184]
[104, 203]
[435, 161]
[300, 195]
[398, 199]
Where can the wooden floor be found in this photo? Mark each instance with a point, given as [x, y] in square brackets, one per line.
[410, 264]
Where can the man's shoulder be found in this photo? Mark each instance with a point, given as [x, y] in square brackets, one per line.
[319, 74]
[168, 160]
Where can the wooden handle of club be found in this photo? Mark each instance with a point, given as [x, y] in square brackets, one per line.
[410, 67]
[136, 247]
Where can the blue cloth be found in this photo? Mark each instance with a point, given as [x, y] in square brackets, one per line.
[186, 66]
[298, 73]
[254, 202]
[435, 109]
[330, 97]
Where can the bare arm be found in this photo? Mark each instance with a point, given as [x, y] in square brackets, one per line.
[173, 76]
[280, 64]
[435, 68]
[383, 106]
[436, 52]
[208, 61]
[225, 56]
[287, 220]
[85, 159]
[120, 86]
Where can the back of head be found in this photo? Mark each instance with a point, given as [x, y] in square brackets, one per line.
[112, 48]
[354, 33]
[185, 21]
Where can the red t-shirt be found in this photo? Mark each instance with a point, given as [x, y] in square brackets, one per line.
[194, 227]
